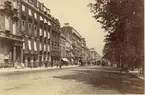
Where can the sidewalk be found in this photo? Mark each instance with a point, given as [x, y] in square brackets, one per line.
[9, 70]
[134, 73]
[137, 74]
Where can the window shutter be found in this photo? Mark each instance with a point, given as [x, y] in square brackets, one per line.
[48, 35]
[15, 4]
[44, 33]
[35, 15]
[7, 23]
[40, 32]
[49, 23]
[41, 19]
[24, 47]
[44, 47]
[23, 8]
[48, 48]
[35, 46]
[29, 12]
[40, 46]
[29, 45]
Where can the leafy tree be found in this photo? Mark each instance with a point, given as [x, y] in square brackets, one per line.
[123, 22]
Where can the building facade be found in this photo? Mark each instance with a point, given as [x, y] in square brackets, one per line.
[94, 56]
[35, 32]
[63, 46]
[85, 52]
[75, 40]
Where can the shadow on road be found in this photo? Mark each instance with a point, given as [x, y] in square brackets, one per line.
[124, 83]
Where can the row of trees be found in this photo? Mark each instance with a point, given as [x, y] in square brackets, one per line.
[123, 22]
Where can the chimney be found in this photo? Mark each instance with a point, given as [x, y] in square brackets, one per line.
[66, 24]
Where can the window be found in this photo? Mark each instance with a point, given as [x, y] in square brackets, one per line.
[48, 11]
[35, 30]
[23, 45]
[15, 4]
[48, 48]
[30, 26]
[7, 23]
[40, 32]
[45, 21]
[49, 23]
[29, 12]
[44, 33]
[41, 19]
[29, 45]
[14, 28]
[48, 35]
[38, 3]
[44, 9]
[44, 47]
[23, 8]
[23, 25]
[40, 47]
[35, 15]
[35, 46]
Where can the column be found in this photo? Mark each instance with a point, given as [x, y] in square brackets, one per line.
[10, 56]
[22, 55]
[26, 61]
[14, 56]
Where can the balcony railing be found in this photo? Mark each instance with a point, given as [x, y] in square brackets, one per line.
[4, 34]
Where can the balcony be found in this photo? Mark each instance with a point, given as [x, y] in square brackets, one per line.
[9, 36]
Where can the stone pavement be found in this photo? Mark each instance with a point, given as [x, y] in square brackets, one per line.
[135, 72]
[8, 70]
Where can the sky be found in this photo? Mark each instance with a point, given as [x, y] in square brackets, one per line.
[77, 14]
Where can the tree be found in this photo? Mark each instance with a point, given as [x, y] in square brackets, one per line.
[123, 22]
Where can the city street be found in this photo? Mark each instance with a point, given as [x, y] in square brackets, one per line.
[75, 80]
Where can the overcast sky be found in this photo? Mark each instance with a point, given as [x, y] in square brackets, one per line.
[77, 14]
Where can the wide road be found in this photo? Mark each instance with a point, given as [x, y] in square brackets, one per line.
[76, 80]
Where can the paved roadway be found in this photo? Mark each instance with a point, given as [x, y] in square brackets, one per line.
[76, 80]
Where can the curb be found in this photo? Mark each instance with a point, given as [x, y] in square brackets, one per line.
[142, 78]
[34, 69]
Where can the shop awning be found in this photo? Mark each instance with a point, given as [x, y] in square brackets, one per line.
[65, 59]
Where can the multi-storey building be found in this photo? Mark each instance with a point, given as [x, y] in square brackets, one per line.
[62, 45]
[85, 52]
[75, 40]
[94, 55]
[68, 36]
[33, 34]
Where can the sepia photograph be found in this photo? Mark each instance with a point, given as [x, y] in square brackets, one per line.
[72, 47]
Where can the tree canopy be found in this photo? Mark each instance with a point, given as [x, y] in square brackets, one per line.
[123, 20]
